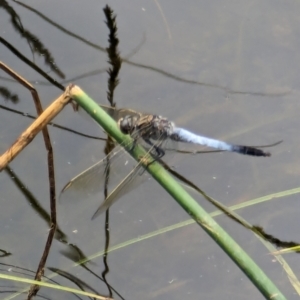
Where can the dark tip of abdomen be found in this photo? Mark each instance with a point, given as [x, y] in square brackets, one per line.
[250, 151]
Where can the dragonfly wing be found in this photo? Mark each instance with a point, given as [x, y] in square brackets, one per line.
[170, 146]
[135, 178]
[187, 148]
[118, 113]
[92, 181]
[115, 113]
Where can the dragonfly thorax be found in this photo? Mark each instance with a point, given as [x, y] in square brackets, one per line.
[162, 127]
[147, 126]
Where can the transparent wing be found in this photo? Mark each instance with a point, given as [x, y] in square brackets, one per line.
[92, 180]
[115, 113]
[133, 179]
[170, 147]
[118, 113]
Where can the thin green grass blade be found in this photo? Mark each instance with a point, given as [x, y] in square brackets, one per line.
[270, 197]
[290, 274]
[191, 221]
[49, 285]
[233, 250]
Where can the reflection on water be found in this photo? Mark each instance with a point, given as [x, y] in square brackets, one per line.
[228, 72]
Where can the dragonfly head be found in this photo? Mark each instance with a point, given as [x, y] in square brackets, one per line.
[127, 124]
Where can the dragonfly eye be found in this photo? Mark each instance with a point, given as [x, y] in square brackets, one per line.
[126, 125]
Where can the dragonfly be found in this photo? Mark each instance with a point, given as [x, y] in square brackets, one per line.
[158, 135]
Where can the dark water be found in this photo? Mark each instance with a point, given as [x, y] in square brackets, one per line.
[229, 70]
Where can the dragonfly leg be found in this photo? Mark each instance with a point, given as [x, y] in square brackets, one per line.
[159, 151]
[133, 145]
